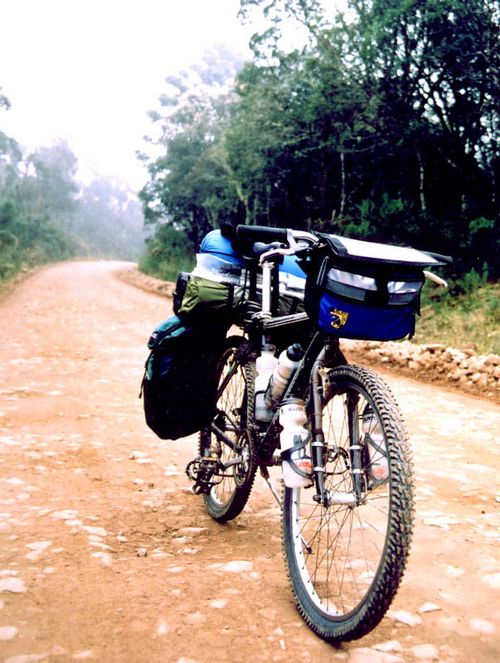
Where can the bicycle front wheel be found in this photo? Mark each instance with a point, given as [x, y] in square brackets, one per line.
[232, 448]
[346, 557]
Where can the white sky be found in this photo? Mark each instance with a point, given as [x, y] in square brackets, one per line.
[89, 70]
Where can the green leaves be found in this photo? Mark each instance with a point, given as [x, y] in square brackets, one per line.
[382, 123]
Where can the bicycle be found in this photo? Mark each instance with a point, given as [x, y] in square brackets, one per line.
[347, 523]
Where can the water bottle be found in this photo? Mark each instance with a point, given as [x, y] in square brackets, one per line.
[292, 418]
[288, 363]
[265, 365]
[374, 439]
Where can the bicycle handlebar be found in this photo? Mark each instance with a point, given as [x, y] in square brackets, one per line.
[287, 241]
[261, 233]
[292, 241]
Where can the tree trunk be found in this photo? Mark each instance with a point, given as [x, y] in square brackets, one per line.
[342, 185]
[421, 183]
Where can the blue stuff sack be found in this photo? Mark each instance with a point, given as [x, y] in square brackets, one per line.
[179, 383]
[220, 261]
[216, 244]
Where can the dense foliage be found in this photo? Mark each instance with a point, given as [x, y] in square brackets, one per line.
[384, 125]
[45, 215]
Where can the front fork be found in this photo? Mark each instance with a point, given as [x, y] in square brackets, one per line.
[355, 447]
[320, 449]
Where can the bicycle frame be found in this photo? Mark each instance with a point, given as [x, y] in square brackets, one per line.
[305, 383]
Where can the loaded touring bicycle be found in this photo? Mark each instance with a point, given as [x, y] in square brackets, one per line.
[280, 392]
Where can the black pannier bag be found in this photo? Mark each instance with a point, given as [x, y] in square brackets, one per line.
[365, 290]
[179, 383]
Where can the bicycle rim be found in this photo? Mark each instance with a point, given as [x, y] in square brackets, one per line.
[346, 559]
[233, 481]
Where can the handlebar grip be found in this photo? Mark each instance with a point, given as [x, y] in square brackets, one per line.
[261, 233]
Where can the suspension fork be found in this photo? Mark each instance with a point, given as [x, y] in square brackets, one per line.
[355, 445]
[329, 356]
[318, 437]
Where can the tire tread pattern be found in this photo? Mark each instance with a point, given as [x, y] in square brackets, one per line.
[233, 508]
[400, 526]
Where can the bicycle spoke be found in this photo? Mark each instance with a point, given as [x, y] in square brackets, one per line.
[345, 562]
[229, 444]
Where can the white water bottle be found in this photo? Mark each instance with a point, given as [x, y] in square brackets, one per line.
[288, 363]
[265, 365]
[292, 418]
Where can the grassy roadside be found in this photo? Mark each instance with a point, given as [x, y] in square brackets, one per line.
[468, 320]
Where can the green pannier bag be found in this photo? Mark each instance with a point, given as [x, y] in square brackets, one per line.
[205, 299]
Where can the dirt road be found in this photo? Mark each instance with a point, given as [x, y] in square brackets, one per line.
[105, 556]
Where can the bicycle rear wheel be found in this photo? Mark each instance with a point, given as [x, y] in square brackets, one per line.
[346, 558]
[233, 448]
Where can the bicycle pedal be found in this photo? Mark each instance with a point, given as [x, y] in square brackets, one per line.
[197, 489]
[202, 486]
[200, 470]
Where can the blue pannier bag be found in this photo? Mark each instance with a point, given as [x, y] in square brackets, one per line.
[365, 290]
[179, 383]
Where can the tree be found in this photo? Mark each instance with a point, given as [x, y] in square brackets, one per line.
[381, 124]
[4, 101]
[191, 186]
[50, 184]
[282, 16]
[10, 158]
[46, 216]
[431, 64]
[302, 116]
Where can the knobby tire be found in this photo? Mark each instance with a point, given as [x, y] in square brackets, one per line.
[345, 563]
[229, 495]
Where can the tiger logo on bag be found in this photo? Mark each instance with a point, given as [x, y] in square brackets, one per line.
[339, 318]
